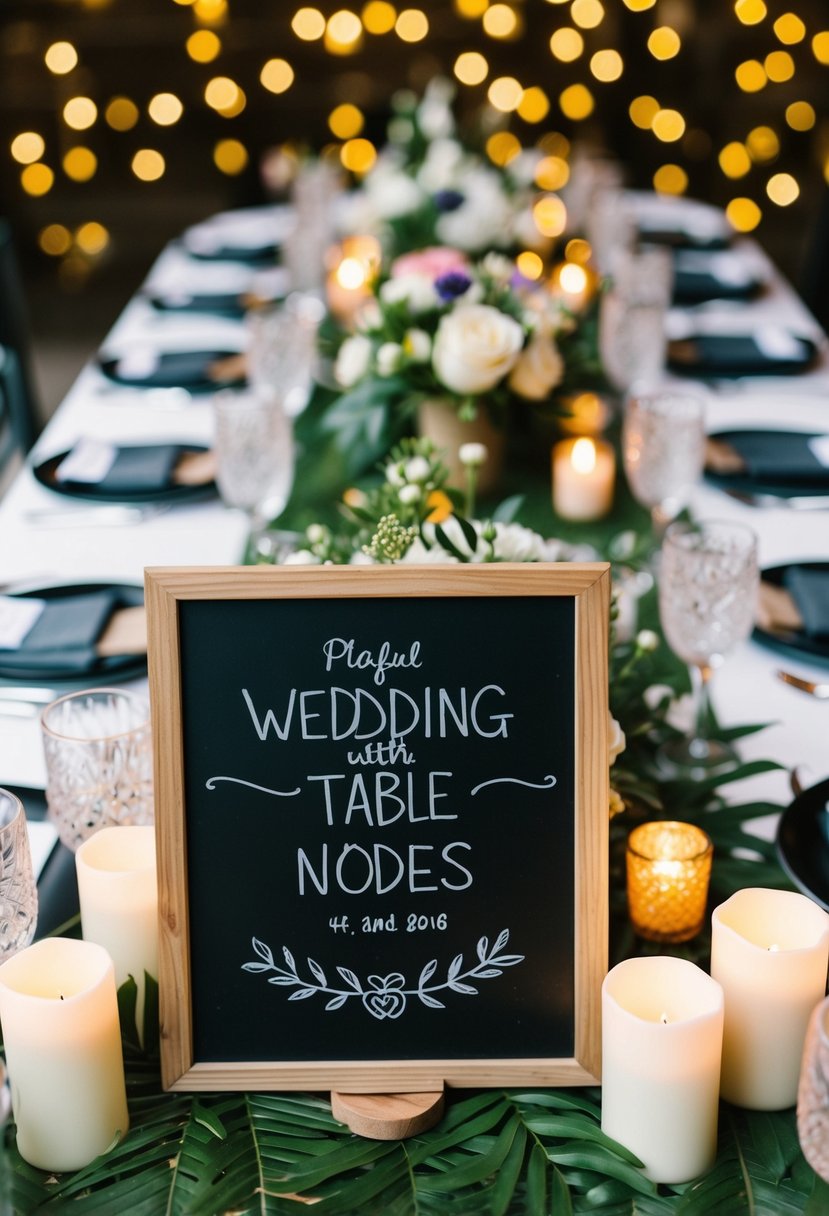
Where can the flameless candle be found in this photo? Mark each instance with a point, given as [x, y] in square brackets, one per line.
[662, 1022]
[769, 950]
[119, 901]
[668, 870]
[59, 1014]
[584, 471]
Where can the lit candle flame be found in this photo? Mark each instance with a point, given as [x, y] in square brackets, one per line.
[573, 278]
[351, 274]
[773, 948]
[583, 456]
[663, 1017]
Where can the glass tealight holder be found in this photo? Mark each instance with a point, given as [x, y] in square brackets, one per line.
[668, 871]
[813, 1093]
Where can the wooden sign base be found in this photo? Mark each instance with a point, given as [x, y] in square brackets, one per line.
[387, 1116]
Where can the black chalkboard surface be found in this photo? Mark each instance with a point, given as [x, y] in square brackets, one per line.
[373, 835]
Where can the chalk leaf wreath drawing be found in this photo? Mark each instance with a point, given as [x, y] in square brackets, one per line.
[385, 996]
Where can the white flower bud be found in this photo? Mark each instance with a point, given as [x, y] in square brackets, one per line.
[417, 345]
[473, 454]
[647, 640]
[409, 494]
[388, 358]
[417, 469]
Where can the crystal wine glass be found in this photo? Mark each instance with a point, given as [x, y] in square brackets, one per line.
[813, 1093]
[18, 891]
[663, 451]
[282, 351]
[707, 592]
[254, 448]
[632, 335]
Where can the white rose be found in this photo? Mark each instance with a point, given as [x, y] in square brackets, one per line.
[388, 358]
[418, 345]
[394, 474]
[302, 557]
[415, 290]
[417, 469]
[353, 360]
[394, 193]
[539, 368]
[409, 494]
[615, 739]
[475, 348]
[515, 543]
[418, 554]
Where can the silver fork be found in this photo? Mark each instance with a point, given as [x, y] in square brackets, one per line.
[813, 687]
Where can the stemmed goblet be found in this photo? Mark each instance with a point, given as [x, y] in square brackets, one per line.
[663, 451]
[18, 891]
[708, 582]
[632, 335]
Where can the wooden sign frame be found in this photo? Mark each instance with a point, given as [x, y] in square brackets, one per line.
[588, 585]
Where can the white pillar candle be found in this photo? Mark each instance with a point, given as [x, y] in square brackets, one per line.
[662, 1022]
[118, 895]
[584, 472]
[769, 950]
[59, 1014]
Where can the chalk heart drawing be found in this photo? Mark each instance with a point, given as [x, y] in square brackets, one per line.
[383, 996]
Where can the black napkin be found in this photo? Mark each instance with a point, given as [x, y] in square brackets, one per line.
[229, 303]
[733, 355]
[136, 470]
[680, 238]
[205, 252]
[778, 456]
[64, 635]
[810, 591]
[694, 286]
[171, 369]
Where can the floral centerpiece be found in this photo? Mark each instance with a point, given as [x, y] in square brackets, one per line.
[447, 341]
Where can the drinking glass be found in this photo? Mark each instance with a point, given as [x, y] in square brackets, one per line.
[282, 351]
[254, 448]
[18, 889]
[708, 584]
[632, 334]
[663, 451]
[813, 1093]
[99, 762]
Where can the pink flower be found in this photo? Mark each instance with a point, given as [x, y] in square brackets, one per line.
[430, 263]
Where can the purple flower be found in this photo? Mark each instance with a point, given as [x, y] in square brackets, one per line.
[448, 200]
[451, 285]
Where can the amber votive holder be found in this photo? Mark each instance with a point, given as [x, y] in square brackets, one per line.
[668, 871]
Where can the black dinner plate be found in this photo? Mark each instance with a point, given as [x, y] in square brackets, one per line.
[45, 474]
[698, 285]
[105, 670]
[782, 486]
[793, 642]
[721, 356]
[261, 253]
[678, 237]
[218, 303]
[191, 369]
[803, 842]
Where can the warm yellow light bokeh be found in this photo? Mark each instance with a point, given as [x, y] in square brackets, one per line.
[573, 279]
[552, 173]
[530, 265]
[534, 106]
[578, 250]
[308, 24]
[664, 43]
[643, 110]
[60, 58]
[80, 113]
[576, 102]
[782, 189]
[91, 238]
[502, 147]
[80, 164]
[750, 12]
[471, 9]
[779, 66]
[587, 14]
[820, 46]
[343, 32]
[734, 160]
[751, 76]
[553, 143]
[670, 179]
[789, 29]
[346, 121]
[379, 17]
[276, 76]
[800, 116]
[358, 155]
[203, 46]
[27, 147]
[668, 125]
[121, 114]
[566, 44]
[55, 239]
[165, 109]
[230, 157]
[607, 65]
[763, 144]
[148, 165]
[743, 214]
[471, 68]
[501, 21]
[412, 25]
[210, 12]
[224, 96]
[550, 215]
[37, 179]
[639, 6]
[505, 94]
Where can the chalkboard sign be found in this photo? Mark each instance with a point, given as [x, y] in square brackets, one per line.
[381, 806]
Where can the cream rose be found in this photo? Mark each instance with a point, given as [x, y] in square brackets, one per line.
[539, 368]
[475, 348]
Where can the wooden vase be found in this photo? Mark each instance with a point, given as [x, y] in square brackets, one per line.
[438, 420]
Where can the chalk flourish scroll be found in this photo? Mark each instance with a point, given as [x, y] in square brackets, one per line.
[385, 996]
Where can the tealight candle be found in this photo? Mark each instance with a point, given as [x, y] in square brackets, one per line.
[584, 472]
[118, 895]
[769, 950]
[662, 1022]
[354, 268]
[668, 871]
[59, 1014]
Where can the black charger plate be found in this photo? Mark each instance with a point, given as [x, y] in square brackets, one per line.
[803, 842]
[45, 474]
